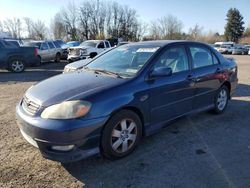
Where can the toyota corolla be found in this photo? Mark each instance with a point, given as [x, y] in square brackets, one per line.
[122, 96]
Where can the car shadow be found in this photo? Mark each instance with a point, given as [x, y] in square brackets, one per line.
[243, 90]
[193, 146]
[34, 74]
[189, 152]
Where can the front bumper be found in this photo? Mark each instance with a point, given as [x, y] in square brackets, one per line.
[45, 133]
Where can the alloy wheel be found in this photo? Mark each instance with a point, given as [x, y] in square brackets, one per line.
[222, 99]
[17, 66]
[124, 135]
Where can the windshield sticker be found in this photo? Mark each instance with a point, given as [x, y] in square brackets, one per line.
[147, 49]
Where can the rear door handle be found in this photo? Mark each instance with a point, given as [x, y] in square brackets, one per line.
[218, 70]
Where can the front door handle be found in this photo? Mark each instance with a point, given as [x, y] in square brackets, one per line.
[191, 78]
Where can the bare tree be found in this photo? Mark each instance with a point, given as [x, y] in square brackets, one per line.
[1, 26]
[58, 27]
[14, 27]
[141, 31]
[70, 15]
[195, 33]
[39, 29]
[167, 27]
[29, 26]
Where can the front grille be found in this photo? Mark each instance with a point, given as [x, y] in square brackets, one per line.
[74, 51]
[30, 106]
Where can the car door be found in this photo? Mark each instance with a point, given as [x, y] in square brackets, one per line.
[206, 75]
[52, 51]
[44, 51]
[171, 96]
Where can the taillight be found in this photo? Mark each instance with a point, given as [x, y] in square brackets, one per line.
[36, 51]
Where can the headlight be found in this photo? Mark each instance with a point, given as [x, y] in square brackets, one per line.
[67, 110]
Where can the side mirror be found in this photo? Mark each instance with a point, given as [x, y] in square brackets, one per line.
[160, 72]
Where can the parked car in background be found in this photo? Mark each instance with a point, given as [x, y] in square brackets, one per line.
[248, 47]
[224, 49]
[216, 46]
[129, 92]
[60, 42]
[71, 44]
[16, 58]
[77, 65]
[87, 49]
[15, 42]
[122, 43]
[66, 46]
[239, 50]
[47, 50]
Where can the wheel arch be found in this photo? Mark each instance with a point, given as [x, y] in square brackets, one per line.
[228, 85]
[134, 109]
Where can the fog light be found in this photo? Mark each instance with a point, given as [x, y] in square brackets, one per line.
[63, 148]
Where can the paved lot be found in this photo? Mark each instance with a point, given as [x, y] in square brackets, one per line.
[205, 150]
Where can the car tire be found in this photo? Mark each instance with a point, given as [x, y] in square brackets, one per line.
[58, 58]
[221, 100]
[121, 134]
[16, 65]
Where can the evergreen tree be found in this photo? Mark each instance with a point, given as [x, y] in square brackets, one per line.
[234, 28]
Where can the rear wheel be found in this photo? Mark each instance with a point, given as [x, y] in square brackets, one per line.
[121, 134]
[16, 65]
[221, 100]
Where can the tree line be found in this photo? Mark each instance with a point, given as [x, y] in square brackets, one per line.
[99, 19]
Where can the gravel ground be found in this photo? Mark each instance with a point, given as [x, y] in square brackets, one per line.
[203, 150]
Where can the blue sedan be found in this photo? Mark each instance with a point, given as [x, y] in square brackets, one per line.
[123, 95]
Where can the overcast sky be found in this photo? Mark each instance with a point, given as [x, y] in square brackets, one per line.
[210, 14]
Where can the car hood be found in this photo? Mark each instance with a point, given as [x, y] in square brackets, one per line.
[72, 86]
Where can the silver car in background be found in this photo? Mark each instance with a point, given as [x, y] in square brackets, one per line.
[47, 50]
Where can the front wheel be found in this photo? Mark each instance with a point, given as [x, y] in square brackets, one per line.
[221, 100]
[121, 134]
[16, 65]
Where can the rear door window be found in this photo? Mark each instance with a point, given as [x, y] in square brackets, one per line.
[57, 44]
[51, 45]
[201, 56]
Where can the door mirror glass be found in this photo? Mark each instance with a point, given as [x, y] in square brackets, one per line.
[161, 72]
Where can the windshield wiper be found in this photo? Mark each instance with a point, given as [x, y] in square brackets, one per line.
[107, 72]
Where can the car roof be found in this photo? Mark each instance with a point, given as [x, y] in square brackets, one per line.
[162, 43]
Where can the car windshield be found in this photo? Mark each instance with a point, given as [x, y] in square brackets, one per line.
[124, 61]
[89, 44]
